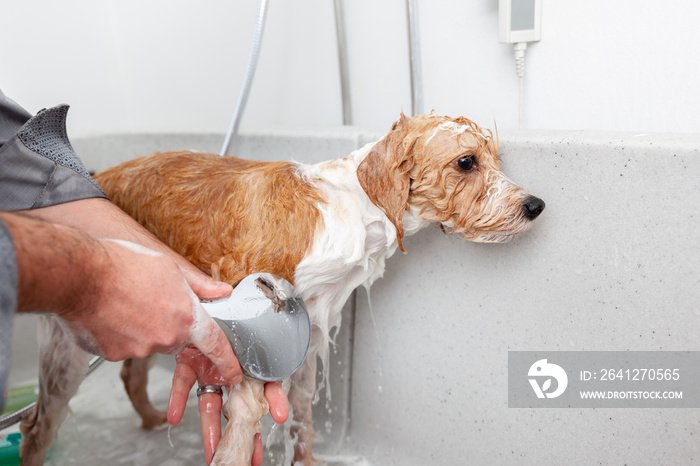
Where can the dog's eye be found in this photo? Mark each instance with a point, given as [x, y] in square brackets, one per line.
[466, 163]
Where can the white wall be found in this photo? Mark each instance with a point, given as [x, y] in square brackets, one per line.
[173, 65]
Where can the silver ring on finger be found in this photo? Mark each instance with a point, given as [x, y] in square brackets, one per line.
[209, 389]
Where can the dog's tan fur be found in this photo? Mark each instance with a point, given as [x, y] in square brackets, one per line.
[191, 201]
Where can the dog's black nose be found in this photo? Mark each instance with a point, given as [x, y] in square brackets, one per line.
[533, 207]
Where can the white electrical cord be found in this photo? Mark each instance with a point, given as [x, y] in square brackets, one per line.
[519, 51]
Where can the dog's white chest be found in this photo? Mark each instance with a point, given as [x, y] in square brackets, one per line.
[351, 247]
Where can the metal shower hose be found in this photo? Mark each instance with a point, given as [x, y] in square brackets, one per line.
[247, 80]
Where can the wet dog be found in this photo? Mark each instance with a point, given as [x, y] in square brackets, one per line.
[327, 228]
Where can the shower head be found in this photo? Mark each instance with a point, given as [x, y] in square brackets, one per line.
[266, 323]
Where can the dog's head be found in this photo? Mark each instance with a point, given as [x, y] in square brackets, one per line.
[446, 170]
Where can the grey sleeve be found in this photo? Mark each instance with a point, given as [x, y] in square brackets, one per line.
[8, 303]
[38, 166]
[12, 118]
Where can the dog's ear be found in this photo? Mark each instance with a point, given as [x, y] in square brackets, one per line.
[384, 174]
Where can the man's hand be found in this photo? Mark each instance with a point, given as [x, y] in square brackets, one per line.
[194, 367]
[118, 299]
[172, 307]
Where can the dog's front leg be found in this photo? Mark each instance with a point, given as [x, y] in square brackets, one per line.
[134, 374]
[62, 368]
[245, 406]
[301, 397]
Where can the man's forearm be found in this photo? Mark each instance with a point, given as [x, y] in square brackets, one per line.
[54, 262]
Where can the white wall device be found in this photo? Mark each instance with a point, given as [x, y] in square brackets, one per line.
[519, 21]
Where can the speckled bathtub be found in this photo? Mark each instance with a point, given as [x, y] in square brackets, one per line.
[422, 378]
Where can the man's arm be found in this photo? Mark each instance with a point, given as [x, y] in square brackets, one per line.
[120, 300]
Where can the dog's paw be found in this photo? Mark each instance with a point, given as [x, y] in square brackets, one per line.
[154, 420]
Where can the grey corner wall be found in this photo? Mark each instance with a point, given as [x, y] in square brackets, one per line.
[610, 265]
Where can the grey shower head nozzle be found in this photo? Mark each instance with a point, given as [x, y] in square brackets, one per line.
[267, 324]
